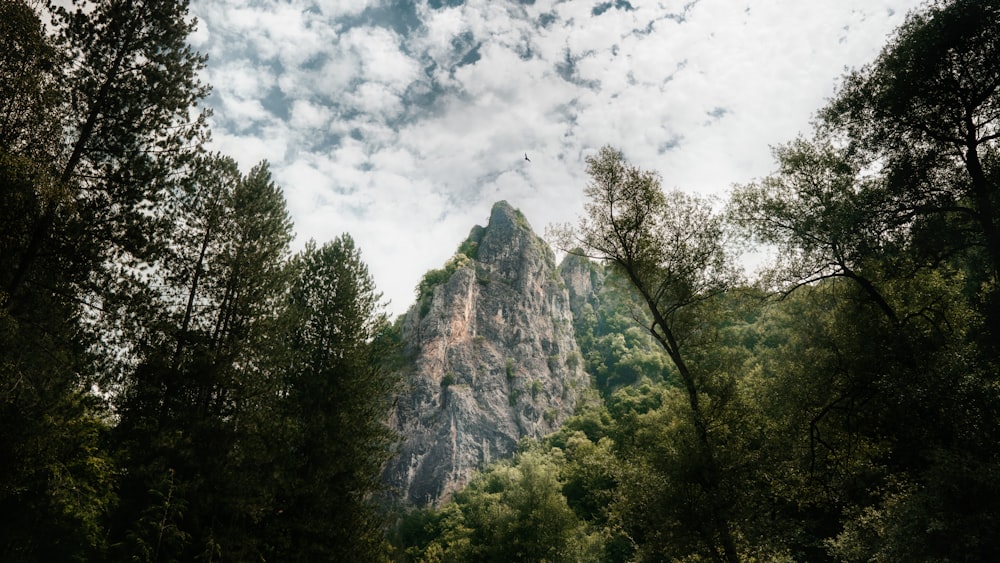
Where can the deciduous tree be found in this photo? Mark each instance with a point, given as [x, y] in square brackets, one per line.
[671, 248]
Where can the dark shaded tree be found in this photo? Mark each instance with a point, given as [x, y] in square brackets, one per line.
[896, 198]
[335, 395]
[127, 83]
[53, 249]
[196, 411]
[927, 113]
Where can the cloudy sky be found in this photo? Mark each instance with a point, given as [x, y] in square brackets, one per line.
[401, 122]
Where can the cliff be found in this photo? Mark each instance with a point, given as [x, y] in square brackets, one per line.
[584, 279]
[494, 359]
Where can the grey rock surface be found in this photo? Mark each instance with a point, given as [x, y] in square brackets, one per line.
[493, 360]
[584, 280]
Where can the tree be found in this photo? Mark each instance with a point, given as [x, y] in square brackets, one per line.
[825, 219]
[928, 112]
[57, 481]
[29, 85]
[95, 106]
[616, 350]
[671, 248]
[197, 410]
[896, 193]
[336, 393]
[127, 81]
[511, 511]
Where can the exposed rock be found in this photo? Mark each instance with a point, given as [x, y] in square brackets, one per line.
[584, 280]
[494, 360]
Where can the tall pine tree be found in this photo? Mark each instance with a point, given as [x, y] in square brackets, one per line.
[336, 396]
[205, 377]
[95, 106]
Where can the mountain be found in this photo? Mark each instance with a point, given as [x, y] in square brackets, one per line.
[493, 359]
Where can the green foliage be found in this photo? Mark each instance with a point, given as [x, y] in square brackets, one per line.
[29, 86]
[511, 512]
[193, 412]
[248, 389]
[846, 409]
[434, 278]
[336, 393]
[616, 350]
[513, 396]
[860, 373]
[671, 249]
[470, 246]
[90, 134]
[468, 251]
[522, 221]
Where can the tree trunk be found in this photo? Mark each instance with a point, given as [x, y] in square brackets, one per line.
[983, 196]
[710, 473]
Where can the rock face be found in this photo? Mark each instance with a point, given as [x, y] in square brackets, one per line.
[493, 360]
[584, 280]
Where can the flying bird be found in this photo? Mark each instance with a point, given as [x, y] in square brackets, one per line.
[526, 157]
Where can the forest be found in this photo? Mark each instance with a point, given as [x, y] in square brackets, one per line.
[177, 385]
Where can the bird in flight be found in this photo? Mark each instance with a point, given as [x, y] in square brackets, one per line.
[526, 157]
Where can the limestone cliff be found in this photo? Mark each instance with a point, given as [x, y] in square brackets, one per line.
[493, 359]
[584, 279]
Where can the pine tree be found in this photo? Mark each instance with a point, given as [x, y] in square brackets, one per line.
[62, 165]
[193, 409]
[336, 397]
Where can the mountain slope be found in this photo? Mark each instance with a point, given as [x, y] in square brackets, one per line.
[493, 355]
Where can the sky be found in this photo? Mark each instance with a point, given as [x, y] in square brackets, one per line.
[402, 122]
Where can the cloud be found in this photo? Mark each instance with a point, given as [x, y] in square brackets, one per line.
[402, 122]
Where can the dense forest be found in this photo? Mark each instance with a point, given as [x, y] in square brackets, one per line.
[177, 385]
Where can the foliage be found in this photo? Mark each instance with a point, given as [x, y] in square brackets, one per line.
[511, 512]
[617, 351]
[470, 246]
[174, 385]
[206, 363]
[335, 393]
[927, 109]
[170, 388]
[671, 249]
[97, 102]
[434, 278]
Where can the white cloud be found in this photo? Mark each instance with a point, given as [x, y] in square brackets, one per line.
[243, 113]
[308, 115]
[338, 8]
[378, 51]
[367, 143]
[249, 149]
[376, 99]
[241, 79]
[441, 27]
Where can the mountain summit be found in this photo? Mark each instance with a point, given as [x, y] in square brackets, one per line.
[493, 359]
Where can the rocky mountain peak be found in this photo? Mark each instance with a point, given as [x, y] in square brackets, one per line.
[494, 359]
